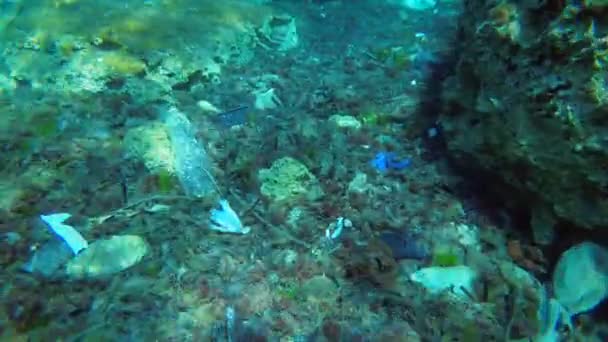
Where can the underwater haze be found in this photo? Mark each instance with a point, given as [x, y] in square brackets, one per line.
[284, 170]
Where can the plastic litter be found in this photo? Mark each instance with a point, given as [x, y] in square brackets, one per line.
[224, 219]
[580, 279]
[48, 259]
[335, 229]
[66, 232]
[385, 161]
[233, 117]
[580, 283]
[192, 164]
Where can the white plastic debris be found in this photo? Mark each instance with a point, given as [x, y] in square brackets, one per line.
[107, 257]
[224, 219]
[70, 235]
[580, 278]
[468, 235]
[334, 230]
[580, 283]
[266, 99]
[459, 279]
[279, 32]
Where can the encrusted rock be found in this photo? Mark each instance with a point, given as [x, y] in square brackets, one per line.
[151, 144]
[288, 180]
[526, 109]
[345, 121]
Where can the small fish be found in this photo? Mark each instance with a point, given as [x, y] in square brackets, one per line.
[405, 245]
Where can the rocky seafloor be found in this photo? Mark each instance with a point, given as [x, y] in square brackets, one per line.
[321, 124]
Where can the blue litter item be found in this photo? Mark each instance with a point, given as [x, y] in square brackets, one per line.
[233, 117]
[66, 232]
[385, 161]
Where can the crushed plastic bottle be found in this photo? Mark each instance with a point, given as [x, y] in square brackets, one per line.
[66, 242]
[49, 258]
[192, 164]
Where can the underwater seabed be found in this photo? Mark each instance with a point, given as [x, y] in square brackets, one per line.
[180, 170]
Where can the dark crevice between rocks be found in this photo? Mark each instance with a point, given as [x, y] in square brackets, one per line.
[487, 193]
[431, 105]
[193, 79]
[476, 185]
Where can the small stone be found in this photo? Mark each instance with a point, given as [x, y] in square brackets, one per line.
[359, 184]
[12, 238]
[286, 260]
[207, 107]
[345, 121]
[459, 279]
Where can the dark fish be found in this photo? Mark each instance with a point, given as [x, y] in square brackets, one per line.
[405, 245]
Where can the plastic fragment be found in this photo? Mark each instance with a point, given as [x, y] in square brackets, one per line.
[584, 263]
[233, 117]
[70, 235]
[192, 164]
[334, 230]
[385, 161]
[49, 258]
[224, 219]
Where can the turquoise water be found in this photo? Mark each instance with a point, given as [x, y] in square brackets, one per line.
[181, 170]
